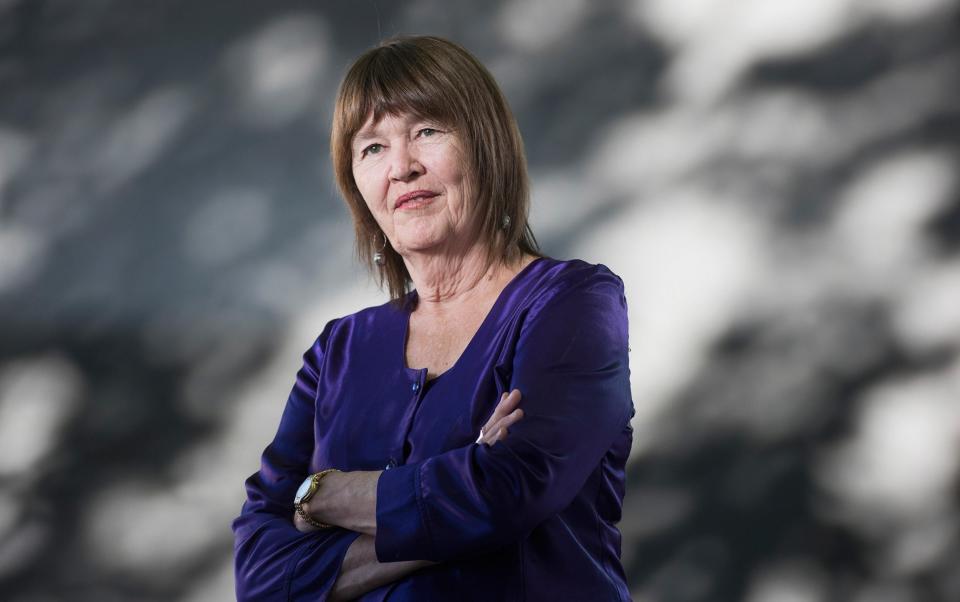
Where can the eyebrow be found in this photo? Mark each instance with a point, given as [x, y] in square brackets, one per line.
[364, 135]
[370, 133]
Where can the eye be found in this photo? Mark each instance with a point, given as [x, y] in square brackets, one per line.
[373, 149]
[427, 132]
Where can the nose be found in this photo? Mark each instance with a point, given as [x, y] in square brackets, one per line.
[404, 165]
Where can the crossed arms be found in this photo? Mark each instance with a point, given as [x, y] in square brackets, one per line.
[570, 362]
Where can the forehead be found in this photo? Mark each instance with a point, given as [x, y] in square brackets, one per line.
[375, 126]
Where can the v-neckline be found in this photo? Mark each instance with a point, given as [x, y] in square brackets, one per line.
[495, 309]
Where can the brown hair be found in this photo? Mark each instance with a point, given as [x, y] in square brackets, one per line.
[436, 79]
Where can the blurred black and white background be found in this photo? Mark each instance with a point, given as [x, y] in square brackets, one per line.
[776, 181]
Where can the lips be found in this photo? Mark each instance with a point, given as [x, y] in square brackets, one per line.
[413, 197]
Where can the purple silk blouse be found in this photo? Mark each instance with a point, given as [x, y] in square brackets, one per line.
[532, 517]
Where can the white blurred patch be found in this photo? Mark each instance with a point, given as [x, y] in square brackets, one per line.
[890, 106]
[37, 397]
[227, 226]
[138, 136]
[678, 22]
[277, 72]
[275, 285]
[135, 527]
[881, 214]
[783, 28]
[22, 254]
[903, 458]
[327, 244]
[645, 151]
[926, 315]
[717, 40]
[650, 150]
[536, 24]
[559, 201]
[790, 581]
[893, 479]
[777, 129]
[778, 125]
[901, 100]
[686, 262]
[918, 545]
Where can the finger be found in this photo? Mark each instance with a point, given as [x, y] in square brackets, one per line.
[495, 416]
[492, 437]
[500, 410]
[501, 428]
[506, 421]
[300, 524]
[511, 418]
[508, 403]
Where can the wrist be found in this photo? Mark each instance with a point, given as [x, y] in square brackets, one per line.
[318, 507]
[348, 500]
[304, 502]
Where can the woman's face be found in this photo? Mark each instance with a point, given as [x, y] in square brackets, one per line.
[411, 174]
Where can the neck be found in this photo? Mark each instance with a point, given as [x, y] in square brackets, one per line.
[448, 281]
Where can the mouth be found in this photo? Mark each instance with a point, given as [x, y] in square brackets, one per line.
[413, 200]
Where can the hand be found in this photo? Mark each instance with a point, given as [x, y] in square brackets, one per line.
[505, 414]
[302, 525]
[345, 499]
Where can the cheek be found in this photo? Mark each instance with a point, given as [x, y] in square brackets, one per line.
[369, 187]
[447, 163]
[457, 183]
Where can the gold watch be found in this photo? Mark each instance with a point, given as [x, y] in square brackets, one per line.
[308, 488]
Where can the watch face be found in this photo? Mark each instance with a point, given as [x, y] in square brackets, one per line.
[304, 488]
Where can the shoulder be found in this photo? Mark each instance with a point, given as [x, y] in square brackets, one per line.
[573, 280]
[362, 325]
[575, 318]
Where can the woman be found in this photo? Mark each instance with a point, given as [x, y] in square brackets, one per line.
[377, 485]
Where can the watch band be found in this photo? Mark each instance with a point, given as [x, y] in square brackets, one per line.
[316, 478]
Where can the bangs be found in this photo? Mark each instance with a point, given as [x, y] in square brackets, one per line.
[390, 81]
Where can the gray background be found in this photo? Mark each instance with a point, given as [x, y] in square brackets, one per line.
[775, 181]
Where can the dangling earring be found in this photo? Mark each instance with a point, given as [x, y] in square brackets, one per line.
[506, 222]
[378, 257]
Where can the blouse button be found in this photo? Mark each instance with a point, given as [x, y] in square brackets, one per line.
[415, 387]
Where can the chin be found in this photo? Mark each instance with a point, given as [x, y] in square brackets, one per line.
[419, 247]
[423, 240]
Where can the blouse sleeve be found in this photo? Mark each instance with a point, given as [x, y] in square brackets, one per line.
[272, 559]
[571, 366]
